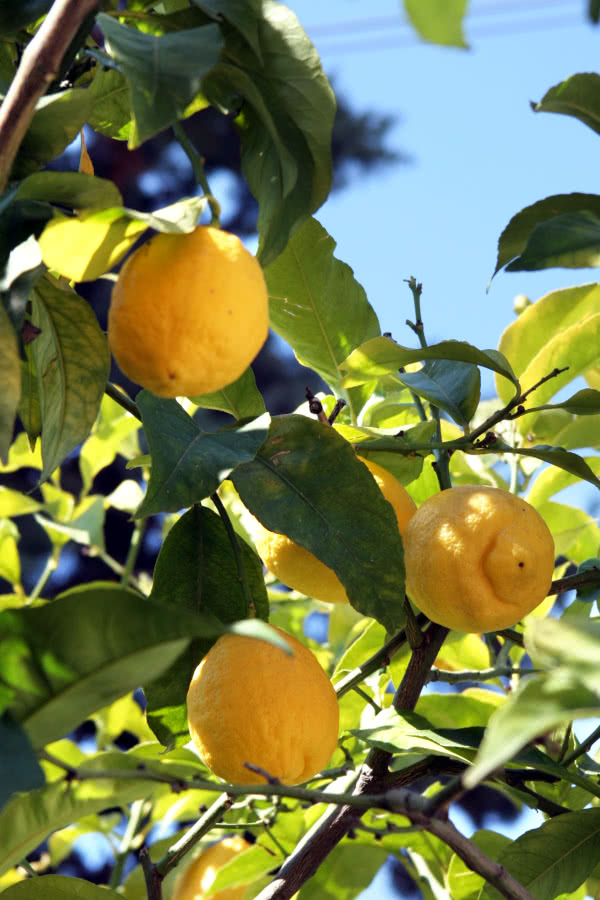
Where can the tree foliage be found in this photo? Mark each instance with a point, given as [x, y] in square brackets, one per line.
[128, 71]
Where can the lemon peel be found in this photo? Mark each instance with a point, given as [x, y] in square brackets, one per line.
[251, 702]
[477, 558]
[188, 313]
[196, 880]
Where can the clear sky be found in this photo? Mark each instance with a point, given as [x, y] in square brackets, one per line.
[480, 154]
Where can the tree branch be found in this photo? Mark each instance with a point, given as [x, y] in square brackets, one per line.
[39, 66]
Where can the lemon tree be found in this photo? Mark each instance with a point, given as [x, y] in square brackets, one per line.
[174, 704]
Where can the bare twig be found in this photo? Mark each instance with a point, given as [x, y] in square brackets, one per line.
[38, 67]
[204, 824]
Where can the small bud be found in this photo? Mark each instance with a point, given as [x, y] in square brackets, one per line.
[520, 303]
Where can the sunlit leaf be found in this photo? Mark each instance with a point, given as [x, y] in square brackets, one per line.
[58, 119]
[241, 399]
[73, 189]
[438, 21]
[570, 241]
[57, 887]
[72, 361]
[577, 96]
[10, 378]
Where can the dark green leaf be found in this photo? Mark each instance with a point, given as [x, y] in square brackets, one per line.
[382, 356]
[243, 869]
[555, 858]
[571, 241]
[515, 237]
[241, 399]
[577, 96]
[438, 21]
[393, 732]
[164, 72]
[72, 189]
[59, 887]
[306, 482]
[29, 405]
[556, 456]
[317, 306]
[454, 387]
[19, 768]
[57, 121]
[23, 268]
[14, 16]
[591, 593]
[10, 379]
[72, 362]
[594, 11]
[196, 571]
[243, 15]
[19, 219]
[189, 464]
[286, 148]
[90, 646]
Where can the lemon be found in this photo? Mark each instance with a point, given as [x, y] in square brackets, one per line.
[188, 313]
[300, 569]
[197, 878]
[251, 702]
[477, 558]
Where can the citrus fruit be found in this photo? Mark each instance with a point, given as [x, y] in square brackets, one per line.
[477, 558]
[197, 878]
[300, 569]
[250, 701]
[188, 312]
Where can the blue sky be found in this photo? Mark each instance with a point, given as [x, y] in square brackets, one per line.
[479, 153]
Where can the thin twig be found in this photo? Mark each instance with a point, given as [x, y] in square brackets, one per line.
[477, 674]
[204, 824]
[582, 748]
[197, 163]
[122, 399]
[39, 66]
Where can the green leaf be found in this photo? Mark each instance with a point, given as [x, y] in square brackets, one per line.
[570, 241]
[576, 533]
[464, 884]
[316, 305]
[57, 121]
[14, 16]
[347, 871]
[552, 480]
[410, 732]
[28, 818]
[244, 869]
[110, 114]
[59, 887]
[516, 235]
[164, 72]
[243, 15]
[14, 503]
[241, 399]
[591, 593]
[72, 363]
[196, 571]
[286, 148]
[91, 645]
[10, 378]
[555, 858]
[73, 189]
[454, 387]
[10, 564]
[306, 482]
[594, 11]
[556, 456]
[114, 431]
[570, 690]
[577, 96]
[20, 769]
[438, 21]
[189, 464]
[584, 403]
[382, 356]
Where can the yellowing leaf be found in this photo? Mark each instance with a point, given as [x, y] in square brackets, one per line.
[83, 248]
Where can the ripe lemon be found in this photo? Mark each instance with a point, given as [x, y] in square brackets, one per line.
[196, 880]
[300, 569]
[249, 701]
[477, 558]
[188, 313]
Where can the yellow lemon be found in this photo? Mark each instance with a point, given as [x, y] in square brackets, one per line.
[477, 558]
[300, 569]
[250, 702]
[188, 313]
[196, 880]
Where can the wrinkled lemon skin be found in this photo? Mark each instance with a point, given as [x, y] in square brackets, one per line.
[197, 878]
[477, 558]
[300, 569]
[188, 312]
[249, 701]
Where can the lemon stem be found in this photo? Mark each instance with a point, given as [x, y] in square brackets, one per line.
[120, 397]
[197, 163]
[442, 468]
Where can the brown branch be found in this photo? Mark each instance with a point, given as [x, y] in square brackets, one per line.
[38, 67]
[572, 582]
